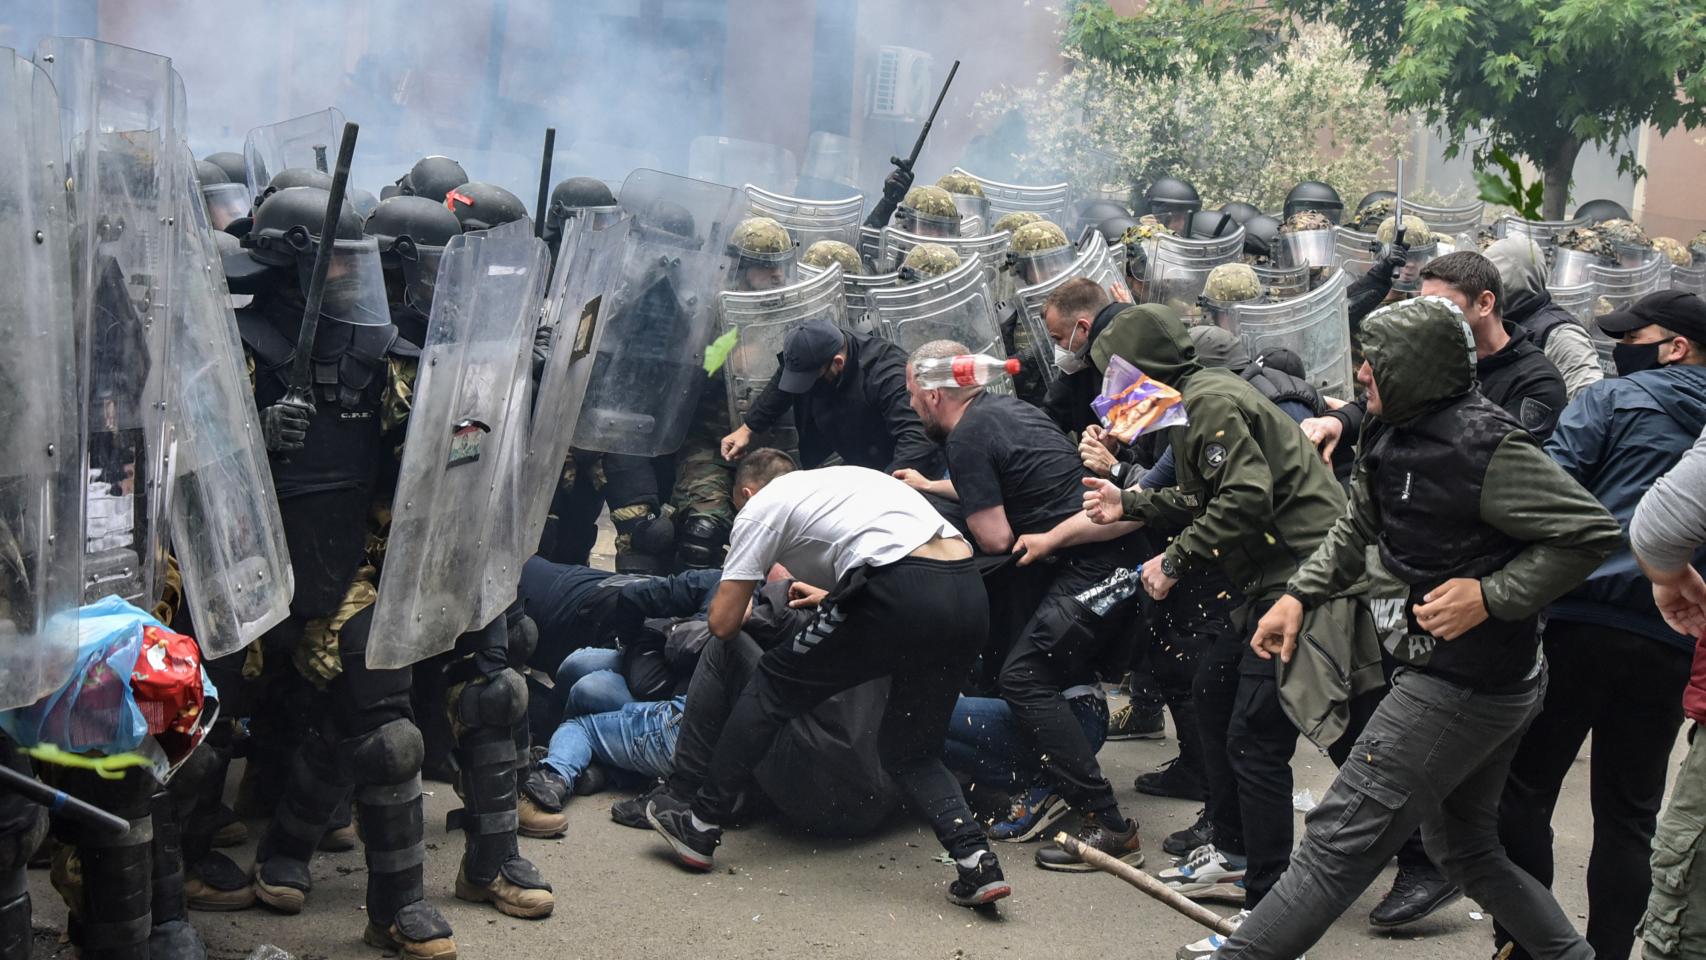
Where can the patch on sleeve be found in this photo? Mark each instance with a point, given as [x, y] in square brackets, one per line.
[1214, 455]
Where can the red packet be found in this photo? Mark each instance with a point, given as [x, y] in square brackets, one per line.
[167, 681]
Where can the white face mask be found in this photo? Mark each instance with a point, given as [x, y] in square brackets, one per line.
[1068, 360]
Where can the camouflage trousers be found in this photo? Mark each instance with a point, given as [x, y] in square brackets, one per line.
[704, 481]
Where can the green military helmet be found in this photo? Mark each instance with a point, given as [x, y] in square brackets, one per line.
[1699, 240]
[961, 183]
[1625, 233]
[1306, 220]
[762, 239]
[1232, 283]
[1368, 218]
[1018, 218]
[1039, 251]
[931, 201]
[1584, 240]
[1416, 233]
[825, 252]
[1674, 251]
[929, 212]
[928, 261]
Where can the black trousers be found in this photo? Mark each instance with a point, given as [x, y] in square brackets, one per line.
[919, 623]
[1626, 689]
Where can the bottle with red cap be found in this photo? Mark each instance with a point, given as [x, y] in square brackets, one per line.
[964, 370]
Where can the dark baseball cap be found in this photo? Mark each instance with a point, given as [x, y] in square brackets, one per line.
[1678, 311]
[806, 350]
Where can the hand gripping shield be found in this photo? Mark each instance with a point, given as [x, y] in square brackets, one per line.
[809, 221]
[1050, 201]
[762, 318]
[1316, 326]
[1095, 262]
[465, 445]
[41, 487]
[120, 110]
[658, 313]
[226, 529]
[309, 142]
[958, 305]
[739, 163]
[1179, 269]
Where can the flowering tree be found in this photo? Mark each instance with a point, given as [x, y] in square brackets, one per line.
[1310, 114]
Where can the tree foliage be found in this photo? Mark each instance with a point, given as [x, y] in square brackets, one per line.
[1533, 78]
[1310, 113]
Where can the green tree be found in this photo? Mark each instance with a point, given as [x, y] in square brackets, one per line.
[1533, 78]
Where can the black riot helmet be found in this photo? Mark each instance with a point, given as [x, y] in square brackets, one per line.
[1208, 224]
[575, 193]
[1093, 212]
[1172, 201]
[1114, 228]
[1375, 197]
[482, 206]
[286, 228]
[433, 178]
[1260, 233]
[1240, 211]
[412, 234]
[1598, 211]
[231, 163]
[295, 177]
[1317, 196]
[210, 173]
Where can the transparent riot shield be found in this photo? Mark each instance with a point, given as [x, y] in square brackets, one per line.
[1312, 248]
[830, 168]
[1540, 231]
[1583, 302]
[309, 141]
[870, 246]
[1354, 252]
[120, 110]
[658, 314]
[737, 163]
[974, 214]
[1050, 201]
[41, 488]
[1458, 222]
[1617, 288]
[857, 290]
[958, 305]
[762, 319]
[226, 530]
[465, 444]
[809, 221]
[1095, 261]
[897, 243]
[1316, 326]
[1691, 278]
[1179, 269]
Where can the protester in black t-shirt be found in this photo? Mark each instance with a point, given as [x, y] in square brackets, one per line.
[1014, 473]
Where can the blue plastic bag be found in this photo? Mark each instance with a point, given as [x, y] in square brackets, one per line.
[95, 710]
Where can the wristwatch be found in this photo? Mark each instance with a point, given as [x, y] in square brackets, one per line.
[1167, 569]
[1117, 471]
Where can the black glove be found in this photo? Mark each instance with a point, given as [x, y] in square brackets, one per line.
[285, 426]
[541, 351]
[1386, 270]
[895, 187]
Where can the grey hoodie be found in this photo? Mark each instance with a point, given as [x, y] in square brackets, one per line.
[1522, 273]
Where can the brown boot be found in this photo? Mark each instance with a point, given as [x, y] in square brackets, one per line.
[216, 884]
[417, 933]
[517, 890]
[535, 821]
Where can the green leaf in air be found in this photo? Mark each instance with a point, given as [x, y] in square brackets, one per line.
[718, 352]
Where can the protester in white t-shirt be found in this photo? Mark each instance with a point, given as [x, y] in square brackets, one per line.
[897, 596]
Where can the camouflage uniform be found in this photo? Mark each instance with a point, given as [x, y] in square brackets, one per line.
[703, 496]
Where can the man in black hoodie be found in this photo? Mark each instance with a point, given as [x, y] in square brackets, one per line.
[1528, 304]
[1511, 370]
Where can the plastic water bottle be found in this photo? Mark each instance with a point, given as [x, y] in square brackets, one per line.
[965, 370]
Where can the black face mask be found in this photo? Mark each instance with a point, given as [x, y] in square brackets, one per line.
[1635, 357]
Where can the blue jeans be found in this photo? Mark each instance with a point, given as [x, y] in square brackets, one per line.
[986, 745]
[590, 681]
[638, 737]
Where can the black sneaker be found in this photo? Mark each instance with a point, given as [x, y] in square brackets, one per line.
[1417, 892]
[1182, 842]
[1127, 724]
[546, 788]
[674, 820]
[632, 811]
[1120, 844]
[979, 885]
[1174, 779]
[594, 779]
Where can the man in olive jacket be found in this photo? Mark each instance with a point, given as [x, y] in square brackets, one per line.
[1254, 500]
[1485, 530]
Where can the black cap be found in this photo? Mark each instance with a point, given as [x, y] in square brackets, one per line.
[1678, 311]
[806, 350]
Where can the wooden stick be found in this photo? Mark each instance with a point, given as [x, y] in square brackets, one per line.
[1146, 883]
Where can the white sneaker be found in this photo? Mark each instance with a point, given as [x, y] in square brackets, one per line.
[1207, 874]
[1206, 947]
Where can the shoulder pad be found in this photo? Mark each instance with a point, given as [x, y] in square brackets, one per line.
[271, 348]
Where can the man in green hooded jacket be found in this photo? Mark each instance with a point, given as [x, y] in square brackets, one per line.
[1485, 530]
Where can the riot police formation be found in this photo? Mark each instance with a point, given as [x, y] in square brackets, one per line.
[340, 459]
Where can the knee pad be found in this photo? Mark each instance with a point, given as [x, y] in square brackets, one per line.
[389, 753]
[523, 639]
[701, 542]
[495, 701]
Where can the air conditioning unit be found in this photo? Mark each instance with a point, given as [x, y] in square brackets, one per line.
[901, 85]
